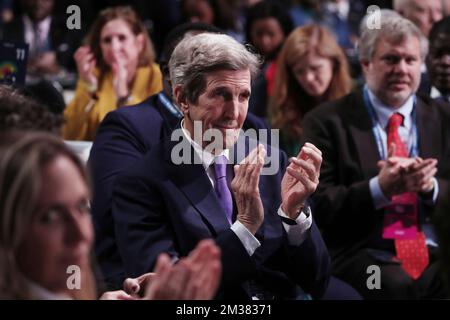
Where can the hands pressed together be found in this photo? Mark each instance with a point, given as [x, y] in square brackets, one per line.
[298, 183]
[399, 175]
[86, 63]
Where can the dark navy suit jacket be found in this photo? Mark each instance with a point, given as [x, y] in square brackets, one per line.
[123, 137]
[159, 206]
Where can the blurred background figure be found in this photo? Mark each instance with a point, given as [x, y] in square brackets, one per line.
[24, 113]
[51, 43]
[446, 7]
[115, 68]
[438, 60]
[224, 14]
[267, 26]
[6, 11]
[422, 13]
[312, 69]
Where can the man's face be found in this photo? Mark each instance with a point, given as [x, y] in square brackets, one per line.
[222, 105]
[438, 63]
[393, 74]
[423, 13]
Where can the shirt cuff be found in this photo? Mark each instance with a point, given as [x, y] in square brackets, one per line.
[297, 232]
[248, 240]
[432, 200]
[378, 197]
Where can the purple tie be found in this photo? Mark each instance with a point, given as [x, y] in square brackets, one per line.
[221, 186]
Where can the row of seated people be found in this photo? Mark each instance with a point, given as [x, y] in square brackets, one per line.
[390, 85]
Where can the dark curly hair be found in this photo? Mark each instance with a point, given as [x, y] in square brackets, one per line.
[23, 113]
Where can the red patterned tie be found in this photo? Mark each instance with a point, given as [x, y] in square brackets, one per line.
[412, 253]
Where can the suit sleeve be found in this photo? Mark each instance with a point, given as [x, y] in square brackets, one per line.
[116, 147]
[144, 230]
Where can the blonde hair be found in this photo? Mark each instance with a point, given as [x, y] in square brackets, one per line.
[290, 102]
[22, 159]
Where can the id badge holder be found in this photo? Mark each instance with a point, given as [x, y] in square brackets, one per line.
[400, 220]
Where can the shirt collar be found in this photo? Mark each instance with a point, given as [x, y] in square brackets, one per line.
[384, 112]
[435, 93]
[206, 157]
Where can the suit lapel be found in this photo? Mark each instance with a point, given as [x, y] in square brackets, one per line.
[360, 127]
[194, 183]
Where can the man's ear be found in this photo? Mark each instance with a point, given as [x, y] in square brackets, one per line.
[180, 99]
[365, 66]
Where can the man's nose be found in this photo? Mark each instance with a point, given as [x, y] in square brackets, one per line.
[435, 15]
[401, 66]
[445, 59]
[232, 109]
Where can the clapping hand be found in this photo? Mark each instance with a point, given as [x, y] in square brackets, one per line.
[300, 180]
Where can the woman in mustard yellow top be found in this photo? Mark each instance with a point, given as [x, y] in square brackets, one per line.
[116, 68]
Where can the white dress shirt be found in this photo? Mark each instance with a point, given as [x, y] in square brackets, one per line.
[44, 30]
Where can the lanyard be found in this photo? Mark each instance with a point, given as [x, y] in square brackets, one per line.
[169, 106]
[413, 148]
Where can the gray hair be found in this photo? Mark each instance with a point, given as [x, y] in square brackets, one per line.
[196, 56]
[393, 29]
[399, 5]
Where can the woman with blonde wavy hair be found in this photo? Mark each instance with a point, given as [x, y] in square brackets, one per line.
[312, 69]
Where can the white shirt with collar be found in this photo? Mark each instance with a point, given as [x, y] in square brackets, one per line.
[296, 233]
[435, 93]
[44, 30]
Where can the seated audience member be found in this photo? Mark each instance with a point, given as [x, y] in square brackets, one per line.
[51, 44]
[422, 13]
[47, 233]
[385, 169]
[115, 68]
[312, 69]
[268, 24]
[270, 245]
[23, 113]
[438, 60]
[123, 137]
[223, 14]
